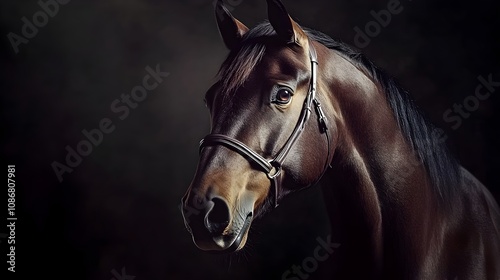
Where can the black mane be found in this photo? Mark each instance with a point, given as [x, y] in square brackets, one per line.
[442, 167]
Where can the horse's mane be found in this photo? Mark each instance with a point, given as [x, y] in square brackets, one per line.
[442, 167]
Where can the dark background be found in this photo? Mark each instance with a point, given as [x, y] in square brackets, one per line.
[119, 207]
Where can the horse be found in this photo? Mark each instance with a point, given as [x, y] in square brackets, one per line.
[291, 106]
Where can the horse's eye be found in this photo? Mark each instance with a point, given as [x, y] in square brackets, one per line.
[283, 96]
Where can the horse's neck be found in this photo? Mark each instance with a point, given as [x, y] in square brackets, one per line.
[376, 177]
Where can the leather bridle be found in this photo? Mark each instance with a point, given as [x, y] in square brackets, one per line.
[272, 167]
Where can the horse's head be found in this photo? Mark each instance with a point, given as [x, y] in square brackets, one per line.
[263, 144]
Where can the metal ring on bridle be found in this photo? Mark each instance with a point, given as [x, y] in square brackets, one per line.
[274, 172]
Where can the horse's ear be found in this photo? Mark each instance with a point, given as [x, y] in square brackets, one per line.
[283, 24]
[231, 29]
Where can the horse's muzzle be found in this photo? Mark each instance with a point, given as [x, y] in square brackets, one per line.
[210, 224]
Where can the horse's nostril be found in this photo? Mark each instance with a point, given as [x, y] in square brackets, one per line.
[217, 218]
[220, 212]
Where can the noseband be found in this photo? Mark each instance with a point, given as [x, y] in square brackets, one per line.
[273, 167]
